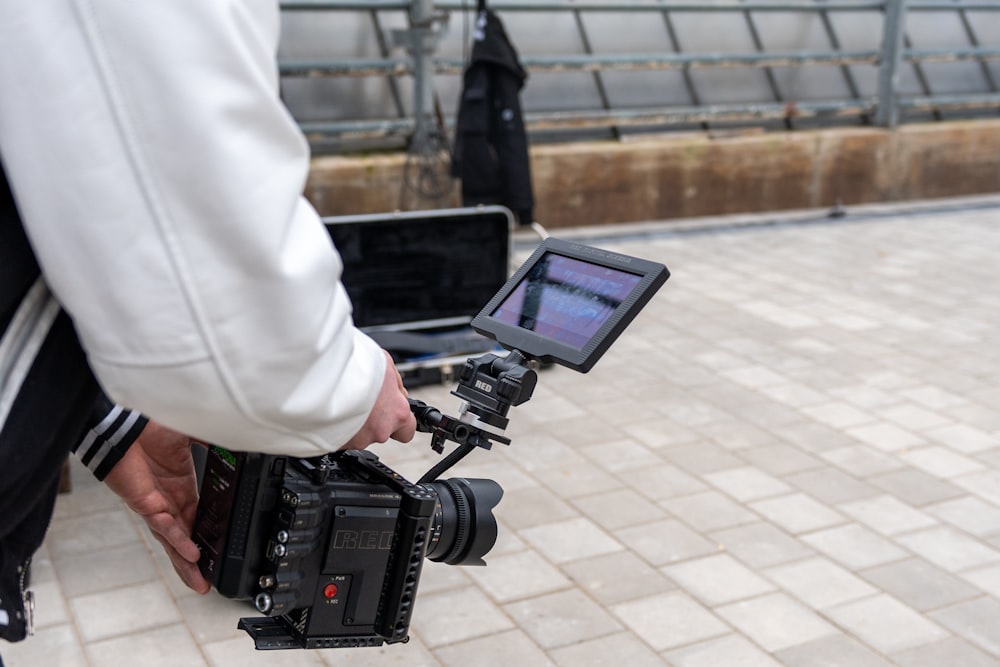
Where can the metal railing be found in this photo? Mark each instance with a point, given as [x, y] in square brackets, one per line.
[416, 57]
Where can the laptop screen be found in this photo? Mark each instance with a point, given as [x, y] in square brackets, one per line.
[413, 268]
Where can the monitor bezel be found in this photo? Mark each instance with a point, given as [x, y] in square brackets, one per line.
[652, 276]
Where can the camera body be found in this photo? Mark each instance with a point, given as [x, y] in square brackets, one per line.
[330, 549]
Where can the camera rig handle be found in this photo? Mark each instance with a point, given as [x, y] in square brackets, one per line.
[490, 385]
[450, 429]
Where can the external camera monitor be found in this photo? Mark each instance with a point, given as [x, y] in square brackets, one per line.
[569, 302]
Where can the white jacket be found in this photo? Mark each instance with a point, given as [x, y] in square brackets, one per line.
[160, 179]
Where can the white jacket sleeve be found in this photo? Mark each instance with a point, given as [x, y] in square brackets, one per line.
[160, 180]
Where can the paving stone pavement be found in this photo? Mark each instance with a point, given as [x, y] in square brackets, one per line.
[791, 458]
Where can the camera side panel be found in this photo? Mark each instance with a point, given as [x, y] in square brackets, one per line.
[238, 496]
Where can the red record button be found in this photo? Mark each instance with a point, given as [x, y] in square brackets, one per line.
[330, 591]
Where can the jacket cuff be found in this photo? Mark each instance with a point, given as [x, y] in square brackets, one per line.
[111, 430]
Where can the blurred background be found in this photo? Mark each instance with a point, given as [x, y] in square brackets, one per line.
[676, 104]
[790, 459]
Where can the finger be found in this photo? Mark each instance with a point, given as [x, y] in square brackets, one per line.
[405, 429]
[172, 534]
[390, 364]
[186, 570]
[405, 433]
[189, 574]
[187, 549]
[399, 383]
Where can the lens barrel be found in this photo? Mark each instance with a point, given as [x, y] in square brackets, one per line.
[463, 529]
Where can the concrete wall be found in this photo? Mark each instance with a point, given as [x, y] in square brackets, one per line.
[680, 176]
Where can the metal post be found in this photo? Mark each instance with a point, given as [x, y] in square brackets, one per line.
[421, 18]
[420, 41]
[887, 114]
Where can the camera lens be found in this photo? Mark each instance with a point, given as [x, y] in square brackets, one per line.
[463, 529]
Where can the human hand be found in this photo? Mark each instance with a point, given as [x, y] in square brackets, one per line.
[390, 417]
[156, 479]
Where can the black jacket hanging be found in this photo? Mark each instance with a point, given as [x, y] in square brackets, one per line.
[491, 146]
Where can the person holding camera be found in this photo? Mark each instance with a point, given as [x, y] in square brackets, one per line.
[155, 245]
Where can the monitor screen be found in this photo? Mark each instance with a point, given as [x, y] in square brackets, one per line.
[569, 302]
[565, 299]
